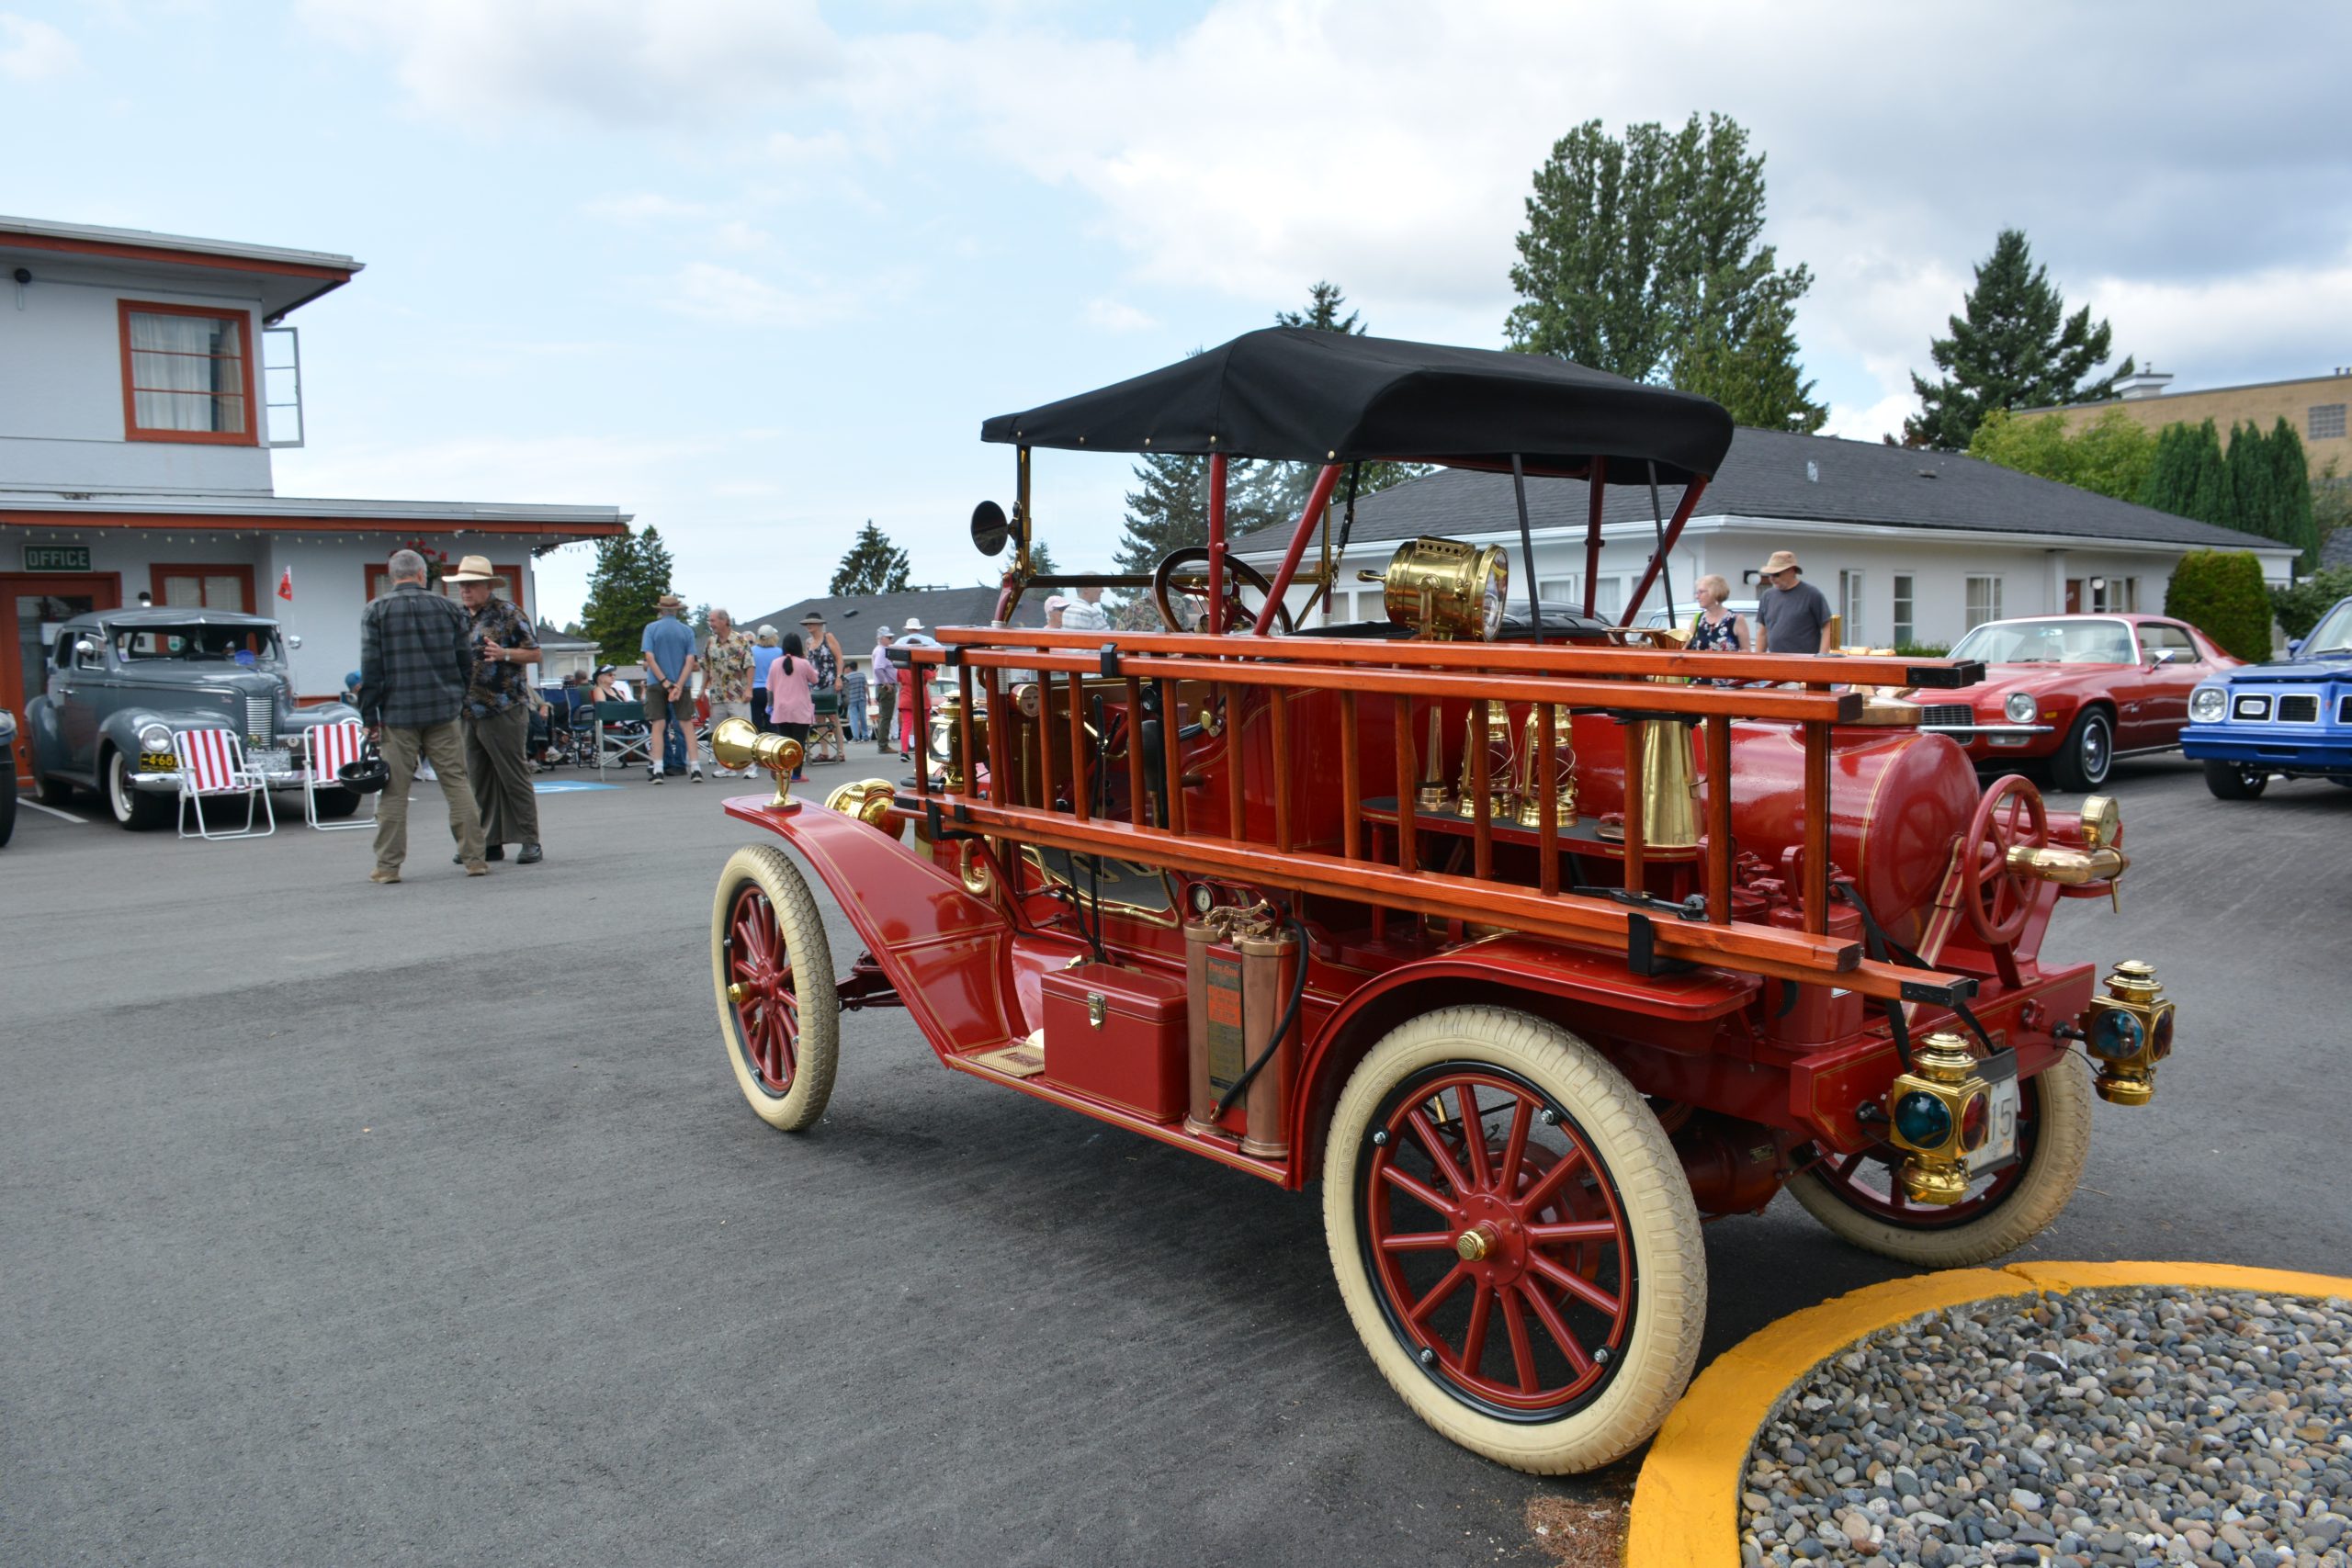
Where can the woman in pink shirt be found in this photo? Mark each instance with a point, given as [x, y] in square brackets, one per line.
[792, 706]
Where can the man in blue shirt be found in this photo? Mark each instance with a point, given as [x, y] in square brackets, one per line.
[669, 649]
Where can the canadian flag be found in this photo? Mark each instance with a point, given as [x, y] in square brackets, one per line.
[286, 586]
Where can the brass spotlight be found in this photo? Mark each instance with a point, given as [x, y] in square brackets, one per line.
[734, 743]
[868, 800]
[1444, 589]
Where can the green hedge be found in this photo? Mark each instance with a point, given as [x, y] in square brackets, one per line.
[2221, 594]
[2299, 608]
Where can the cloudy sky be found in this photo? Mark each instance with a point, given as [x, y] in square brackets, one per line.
[756, 269]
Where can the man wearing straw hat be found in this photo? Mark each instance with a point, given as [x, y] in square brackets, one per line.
[496, 717]
[1791, 616]
[668, 648]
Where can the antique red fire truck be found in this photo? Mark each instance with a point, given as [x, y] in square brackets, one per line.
[1535, 938]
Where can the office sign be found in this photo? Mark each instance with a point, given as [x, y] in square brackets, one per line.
[57, 557]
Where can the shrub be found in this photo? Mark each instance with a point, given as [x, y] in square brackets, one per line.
[1922, 650]
[2299, 608]
[2221, 594]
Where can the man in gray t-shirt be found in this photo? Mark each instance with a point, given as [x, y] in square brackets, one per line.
[1791, 616]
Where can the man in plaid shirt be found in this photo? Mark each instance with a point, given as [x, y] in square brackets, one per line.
[416, 661]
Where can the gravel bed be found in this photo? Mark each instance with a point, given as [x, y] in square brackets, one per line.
[2148, 1425]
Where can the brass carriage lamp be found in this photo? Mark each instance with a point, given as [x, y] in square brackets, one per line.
[735, 743]
[1564, 765]
[1941, 1113]
[2129, 1032]
[1500, 762]
[944, 744]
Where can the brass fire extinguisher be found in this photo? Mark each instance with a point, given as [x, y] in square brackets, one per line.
[1240, 970]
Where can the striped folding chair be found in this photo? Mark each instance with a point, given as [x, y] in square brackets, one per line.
[332, 746]
[212, 762]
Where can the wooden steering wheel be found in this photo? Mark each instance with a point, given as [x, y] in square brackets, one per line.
[1238, 616]
[1996, 899]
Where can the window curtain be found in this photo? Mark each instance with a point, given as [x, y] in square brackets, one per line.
[187, 372]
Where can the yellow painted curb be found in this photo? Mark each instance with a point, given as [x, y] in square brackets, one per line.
[1686, 1505]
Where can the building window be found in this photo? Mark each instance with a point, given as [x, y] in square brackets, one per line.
[1906, 633]
[1983, 600]
[2129, 596]
[2327, 421]
[1608, 595]
[186, 375]
[504, 583]
[203, 587]
[1850, 605]
[1557, 590]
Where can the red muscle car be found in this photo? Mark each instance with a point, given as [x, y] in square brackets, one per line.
[2076, 689]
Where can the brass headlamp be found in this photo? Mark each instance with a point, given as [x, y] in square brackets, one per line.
[944, 745]
[735, 743]
[2129, 1032]
[1938, 1113]
[1445, 590]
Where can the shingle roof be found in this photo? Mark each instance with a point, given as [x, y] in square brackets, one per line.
[2336, 549]
[1771, 473]
[853, 617]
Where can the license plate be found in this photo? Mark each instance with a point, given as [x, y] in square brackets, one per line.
[2000, 1144]
[157, 763]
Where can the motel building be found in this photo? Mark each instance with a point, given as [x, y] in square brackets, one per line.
[144, 380]
[1910, 548]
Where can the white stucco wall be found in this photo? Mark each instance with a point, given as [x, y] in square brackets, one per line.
[60, 390]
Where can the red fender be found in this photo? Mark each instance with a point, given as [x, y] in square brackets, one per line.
[947, 953]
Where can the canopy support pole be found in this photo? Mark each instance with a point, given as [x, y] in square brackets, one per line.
[1315, 503]
[1596, 481]
[1527, 546]
[1691, 494]
[1215, 621]
[1658, 530]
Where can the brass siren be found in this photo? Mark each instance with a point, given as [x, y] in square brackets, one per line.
[734, 743]
[868, 800]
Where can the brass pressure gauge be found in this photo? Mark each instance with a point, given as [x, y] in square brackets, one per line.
[1446, 590]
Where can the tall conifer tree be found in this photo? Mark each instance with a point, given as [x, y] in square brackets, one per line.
[2013, 347]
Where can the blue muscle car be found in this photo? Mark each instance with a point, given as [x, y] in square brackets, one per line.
[2292, 718]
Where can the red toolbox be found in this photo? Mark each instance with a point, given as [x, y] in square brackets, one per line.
[1118, 1036]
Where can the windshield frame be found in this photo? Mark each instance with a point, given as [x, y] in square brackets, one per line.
[2332, 635]
[271, 655]
[2131, 638]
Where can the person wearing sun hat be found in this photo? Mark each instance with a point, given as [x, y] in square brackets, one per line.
[1791, 616]
[668, 647]
[496, 719]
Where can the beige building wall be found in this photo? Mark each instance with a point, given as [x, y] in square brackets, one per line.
[2317, 405]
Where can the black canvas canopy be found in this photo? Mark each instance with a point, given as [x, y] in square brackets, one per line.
[1295, 394]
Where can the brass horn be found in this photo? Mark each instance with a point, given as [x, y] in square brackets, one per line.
[868, 800]
[735, 743]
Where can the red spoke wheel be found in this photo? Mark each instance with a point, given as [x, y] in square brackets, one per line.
[1998, 899]
[1514, 1238]
[1860, 1199]
[778, 1011]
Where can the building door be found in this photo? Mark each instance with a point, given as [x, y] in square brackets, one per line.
[30, 608]
[2073, 596]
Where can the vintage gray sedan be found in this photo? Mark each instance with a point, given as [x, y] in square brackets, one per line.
[119, 683]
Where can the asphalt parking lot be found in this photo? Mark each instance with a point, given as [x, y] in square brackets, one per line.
[348, 1224]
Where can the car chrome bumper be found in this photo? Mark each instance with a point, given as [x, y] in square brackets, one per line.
[275, 775]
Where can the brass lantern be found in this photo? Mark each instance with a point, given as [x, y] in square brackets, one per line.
[944, 744]
[1938, 1113]
[1563, 763]
[1495, 723]
[2129, 1032]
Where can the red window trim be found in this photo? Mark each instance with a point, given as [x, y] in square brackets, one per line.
[158, 570]
[133, 431]
[513, 574]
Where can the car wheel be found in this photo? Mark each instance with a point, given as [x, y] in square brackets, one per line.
[2236, 781]
[778, 1014]
[135, 810]
[7, 797]
[1858, 1197]
[47, 790]
[1514, 1239]
[2081, 764]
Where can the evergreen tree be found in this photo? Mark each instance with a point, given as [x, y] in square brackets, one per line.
[2016, 347]
[1171, 511]
[1643, 257]
[873, 564]
[2210, 497]
[631, 574]
[2253, 507]
[1041, 560]
[1322, 313]
[2291, 490]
